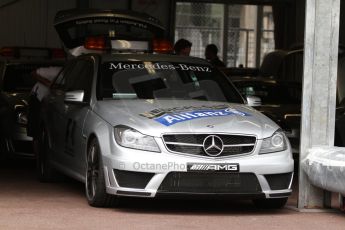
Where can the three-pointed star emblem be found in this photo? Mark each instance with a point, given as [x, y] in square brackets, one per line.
[213, 145]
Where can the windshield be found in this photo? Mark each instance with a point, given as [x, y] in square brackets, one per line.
[271, 93]
[164, 80]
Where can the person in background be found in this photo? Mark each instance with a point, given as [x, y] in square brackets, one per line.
[211, 52]
[182, 47]
[44, 77]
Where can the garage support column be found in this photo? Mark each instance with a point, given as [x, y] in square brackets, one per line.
[319, 89]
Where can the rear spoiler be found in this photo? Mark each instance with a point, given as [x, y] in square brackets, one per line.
[73, 14]
[79, 21]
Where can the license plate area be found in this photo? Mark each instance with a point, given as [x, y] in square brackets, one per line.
[211, 182]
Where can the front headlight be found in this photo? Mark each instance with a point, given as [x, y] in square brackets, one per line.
[275, 143]
[131, 138]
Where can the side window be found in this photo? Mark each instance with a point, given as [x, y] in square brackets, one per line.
[59, 82]
[80, 78]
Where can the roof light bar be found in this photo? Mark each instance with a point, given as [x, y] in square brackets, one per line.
[162, 46]
[125, 45]
[95, 43]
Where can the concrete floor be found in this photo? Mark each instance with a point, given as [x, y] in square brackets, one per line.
[28, 204]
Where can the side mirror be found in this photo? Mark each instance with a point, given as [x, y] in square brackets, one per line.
[74, 96]
[253, 101]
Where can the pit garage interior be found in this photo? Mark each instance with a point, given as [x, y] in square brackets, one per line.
[311, 33]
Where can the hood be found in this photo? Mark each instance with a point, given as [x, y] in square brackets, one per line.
[155, 117]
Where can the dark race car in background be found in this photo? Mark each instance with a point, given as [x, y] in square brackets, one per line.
[280, 101]
[16, 82]
[278, 83]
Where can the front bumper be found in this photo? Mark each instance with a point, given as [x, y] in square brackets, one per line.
[138, 173]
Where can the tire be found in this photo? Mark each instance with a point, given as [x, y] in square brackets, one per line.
[45, 172]
[274, 203]
[95, 187]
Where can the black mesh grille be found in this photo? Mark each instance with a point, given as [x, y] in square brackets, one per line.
[279, 181]
[186, 149]
[131, 179]
[237, 150]
[198, 139]
[185, 138]
[236, 140]
[232, 183]
[195, 150]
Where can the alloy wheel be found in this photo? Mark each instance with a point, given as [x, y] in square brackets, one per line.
[92, 172]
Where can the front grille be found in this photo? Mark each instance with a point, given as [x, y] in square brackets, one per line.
[279, 181]
[193, 143]
[131, 179]
[210, 182]
[199, 138]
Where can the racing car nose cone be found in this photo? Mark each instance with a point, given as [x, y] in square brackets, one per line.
[213, 145]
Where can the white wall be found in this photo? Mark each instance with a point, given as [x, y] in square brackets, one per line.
[30, 22]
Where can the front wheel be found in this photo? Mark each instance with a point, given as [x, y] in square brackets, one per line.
[95, 183]
[274, 203]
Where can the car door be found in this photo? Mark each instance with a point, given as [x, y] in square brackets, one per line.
[53, 111]
[75, 141]
[67, 118]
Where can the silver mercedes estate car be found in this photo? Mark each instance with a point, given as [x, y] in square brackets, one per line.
[155, 125]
